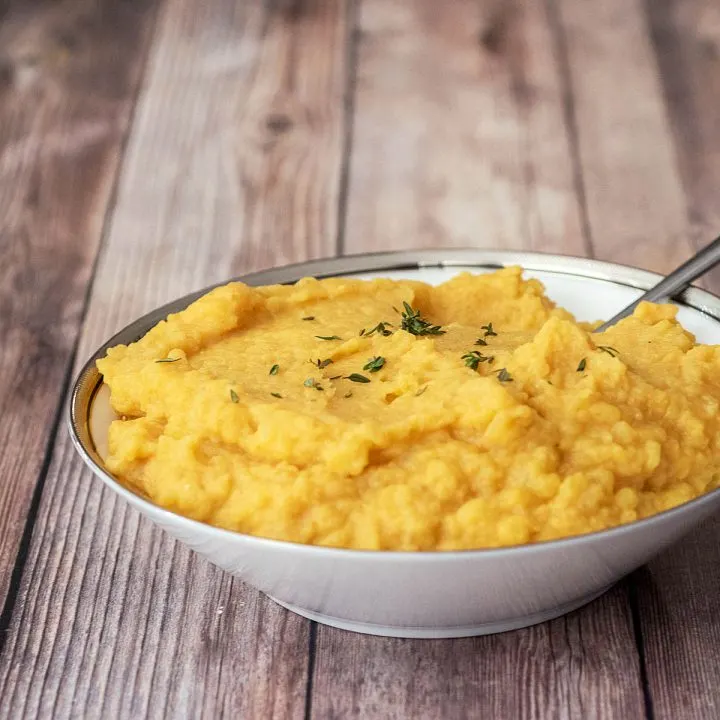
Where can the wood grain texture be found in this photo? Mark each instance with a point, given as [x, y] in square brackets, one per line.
[563, 125]
[459, 136]
[679, 593]
[233, 162]
[573, 667]
[631, 180]
[68, 77]
[686, 40]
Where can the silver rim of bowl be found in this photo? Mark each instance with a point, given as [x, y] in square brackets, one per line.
[88, 381]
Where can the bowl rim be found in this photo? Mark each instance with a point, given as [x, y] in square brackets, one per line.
[81, 397]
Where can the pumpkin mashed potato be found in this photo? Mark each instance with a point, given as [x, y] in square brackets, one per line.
[398, 416]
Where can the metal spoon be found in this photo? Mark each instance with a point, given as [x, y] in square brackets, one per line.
[677, 281]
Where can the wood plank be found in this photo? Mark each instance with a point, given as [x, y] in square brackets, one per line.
[234, 162]
[679, 593]
[686, 39]
[68, 77]
[461, 135]
[459, 131]
[635, 206]
[572, 667]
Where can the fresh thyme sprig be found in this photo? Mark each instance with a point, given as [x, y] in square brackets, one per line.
[381, 329]
[415, 324]
[474, 358]
[489, 332]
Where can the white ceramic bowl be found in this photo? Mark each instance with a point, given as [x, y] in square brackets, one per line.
[426, 594]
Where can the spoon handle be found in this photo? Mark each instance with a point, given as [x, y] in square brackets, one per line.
[675, 282]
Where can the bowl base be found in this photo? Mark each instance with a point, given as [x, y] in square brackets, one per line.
[429, 633]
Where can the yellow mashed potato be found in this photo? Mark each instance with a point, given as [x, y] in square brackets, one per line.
[307, 413]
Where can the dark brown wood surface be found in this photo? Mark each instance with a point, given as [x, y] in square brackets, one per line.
[679, 592]
[270, 132]
[112, 618]
[69, 73]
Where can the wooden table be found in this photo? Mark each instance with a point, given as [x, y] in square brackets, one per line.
[151, 148]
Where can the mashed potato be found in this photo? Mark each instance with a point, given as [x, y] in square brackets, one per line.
[399, 416]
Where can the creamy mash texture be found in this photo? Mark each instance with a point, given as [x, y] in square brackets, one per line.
[394, 415]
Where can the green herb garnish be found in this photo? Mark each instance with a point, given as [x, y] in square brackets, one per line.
[415, 324]
[309, 317]
[234, 396]
[489, 332]
[277, 395]
[375, 364]
[274, 370]
[348, 394]
[504, 375]
[310, 383]
[581, 365]
[328, 337]
[474, 358]
[167, 360]
[356, 377]
[321, 363]
[335, 377]
[421, 391]
[611, 351]
[381, 329]
[480, 341]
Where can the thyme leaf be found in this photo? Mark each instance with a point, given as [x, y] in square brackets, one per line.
[489, 332]
[581, 365]
[381, 329]
[356, 377]
[474, 358]
[611, 351]
[274, 369]
[375, 364]
[234, 396]
[415, 324]
[328, 337]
